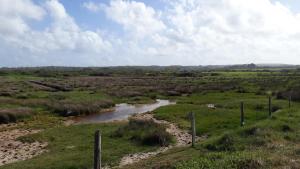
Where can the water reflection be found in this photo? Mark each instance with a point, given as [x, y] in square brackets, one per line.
[123, 111]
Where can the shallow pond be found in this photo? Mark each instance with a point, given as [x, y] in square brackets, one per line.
[123, 111]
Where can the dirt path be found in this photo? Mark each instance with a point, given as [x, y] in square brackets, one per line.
[183, 138]
[12, 150]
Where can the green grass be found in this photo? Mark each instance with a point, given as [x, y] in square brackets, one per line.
[228, 143]
[43, 120]
[72, 147]
[261, 143]
[268, 143]
[75, 96]
[225, 116]
[19, 77]
[79, 96]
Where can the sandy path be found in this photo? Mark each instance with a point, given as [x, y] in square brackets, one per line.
[183, 138]
[12, 150]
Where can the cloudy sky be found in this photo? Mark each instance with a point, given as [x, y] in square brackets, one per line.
[148, 32]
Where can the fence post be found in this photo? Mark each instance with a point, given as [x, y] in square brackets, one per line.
[97, 150]
[242, 114]
[193, 127]
[290, 100]
[270, 106]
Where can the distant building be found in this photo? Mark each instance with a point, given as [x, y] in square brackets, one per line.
[211, 106]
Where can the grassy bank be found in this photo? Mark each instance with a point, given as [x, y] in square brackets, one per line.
[225, 115]
[72, 147]
[264, 143]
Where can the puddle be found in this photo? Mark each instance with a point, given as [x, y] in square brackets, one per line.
[122, 112]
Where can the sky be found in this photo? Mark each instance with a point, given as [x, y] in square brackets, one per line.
[148, 32]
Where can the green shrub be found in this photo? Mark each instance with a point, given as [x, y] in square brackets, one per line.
[145, 132]
[286, 128]
[259, 107]
[6, 94]
[13, 115]
[67, 108]
[241, 90]
[251, 131]
[224, 143]
[4, 119]
[223, 161]
[275, 108]
[57, 97]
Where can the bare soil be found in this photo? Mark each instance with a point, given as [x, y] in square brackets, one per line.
[12, 150]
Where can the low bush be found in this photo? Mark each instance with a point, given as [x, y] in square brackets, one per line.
[275, 108]
[240, 160]
[56, 97]
[145, 132]
[67, 108]
[224, 143]
[172, 93]
[294, 94]
[259, 107]
[126, 93]
[241, 90]
[286, 128]
[13, 115]
[251, 131]
[260, 92]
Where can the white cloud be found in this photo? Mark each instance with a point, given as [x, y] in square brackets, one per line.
[57, 10]
[209, 32]
[62, 43]
[92, 6]
[234, 31]
[137, 18]
[14, 13]
[187, 32]
[24, 9]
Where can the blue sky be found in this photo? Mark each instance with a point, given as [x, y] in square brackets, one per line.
[91, 20]
[148, 32]
[294, 5]
[95, 21]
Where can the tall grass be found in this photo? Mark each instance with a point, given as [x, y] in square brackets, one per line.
[67, 108]
[14, 114]
[62, 107]
[145, 132]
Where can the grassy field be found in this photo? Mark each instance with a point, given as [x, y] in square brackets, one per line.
[268, 143]
[263, 142]
[225, 116]
[72, 147]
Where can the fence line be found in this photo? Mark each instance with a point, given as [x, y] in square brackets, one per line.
[97, 150]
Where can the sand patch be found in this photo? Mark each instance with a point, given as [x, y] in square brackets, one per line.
[12, 150]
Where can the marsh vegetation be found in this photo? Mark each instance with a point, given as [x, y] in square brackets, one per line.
[45, 98]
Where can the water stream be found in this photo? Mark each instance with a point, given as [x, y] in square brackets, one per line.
[123, 111]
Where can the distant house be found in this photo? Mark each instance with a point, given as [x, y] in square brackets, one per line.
[211, 106]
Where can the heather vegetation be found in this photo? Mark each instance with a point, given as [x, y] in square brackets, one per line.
[145, 132]
[45, 98]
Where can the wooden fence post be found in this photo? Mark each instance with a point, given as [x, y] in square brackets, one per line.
[290, 100]
[97, 150]
[242, 114]
[270, 106]
[193, 127]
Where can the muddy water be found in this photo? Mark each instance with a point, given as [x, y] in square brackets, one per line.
[123, 111]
